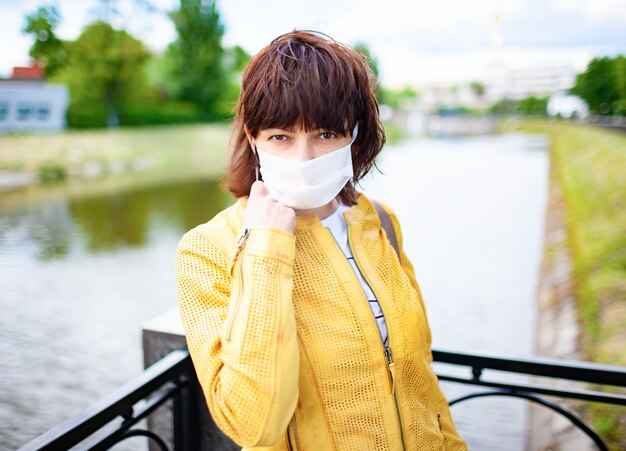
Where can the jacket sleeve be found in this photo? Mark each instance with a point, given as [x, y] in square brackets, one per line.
[240, 328]
[452, 440]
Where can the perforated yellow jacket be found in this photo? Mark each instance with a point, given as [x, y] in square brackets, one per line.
[285, 345]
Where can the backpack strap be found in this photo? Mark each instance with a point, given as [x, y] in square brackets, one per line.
[385, 221]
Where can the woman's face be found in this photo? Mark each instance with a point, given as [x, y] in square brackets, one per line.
[298, 144]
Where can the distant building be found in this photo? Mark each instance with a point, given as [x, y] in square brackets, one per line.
[505, 81]
[435, 96]
[539, 82]
[28, 103]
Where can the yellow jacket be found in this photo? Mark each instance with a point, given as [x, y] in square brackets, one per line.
[285, 345]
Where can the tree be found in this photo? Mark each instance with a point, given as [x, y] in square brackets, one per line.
[533, 106]
[603, 85]
[364, 50]
[109, 11]
[238, 59]
[235, 62]
[196, 57]
[477, 88]
[104, 71]
[48, 50]
[398, 98]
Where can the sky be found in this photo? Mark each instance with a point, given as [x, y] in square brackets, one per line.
[415, 42]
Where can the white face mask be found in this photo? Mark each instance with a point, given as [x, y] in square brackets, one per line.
[307, 184]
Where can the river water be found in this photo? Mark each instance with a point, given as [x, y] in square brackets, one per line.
[84, 264]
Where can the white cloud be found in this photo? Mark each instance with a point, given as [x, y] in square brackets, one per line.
[437, 40]
[594, 8]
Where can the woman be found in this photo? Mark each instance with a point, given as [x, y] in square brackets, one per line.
[306, 328]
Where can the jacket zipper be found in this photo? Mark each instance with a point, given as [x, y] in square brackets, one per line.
[240, 245]
[390, 368]
[386, 349]
[294, 446]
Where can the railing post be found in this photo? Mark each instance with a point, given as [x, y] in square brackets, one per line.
[186, 428]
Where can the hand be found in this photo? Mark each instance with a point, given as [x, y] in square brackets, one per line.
[263, 211]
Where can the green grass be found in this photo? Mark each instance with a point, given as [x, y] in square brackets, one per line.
[54, 156]
[590, 165]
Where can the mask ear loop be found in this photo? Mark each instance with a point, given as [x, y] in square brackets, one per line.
[257, 163]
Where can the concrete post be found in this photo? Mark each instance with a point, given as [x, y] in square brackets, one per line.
[161, 335]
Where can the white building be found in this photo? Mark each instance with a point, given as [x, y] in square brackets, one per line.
[539, 81]
[27, 103]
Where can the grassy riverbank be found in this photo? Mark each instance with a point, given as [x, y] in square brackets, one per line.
[76, 154]
[590, 164]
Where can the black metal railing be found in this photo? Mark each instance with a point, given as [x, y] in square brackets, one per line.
[601, 375]
[173, 377]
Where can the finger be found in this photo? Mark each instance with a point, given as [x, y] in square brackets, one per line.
[257, 189]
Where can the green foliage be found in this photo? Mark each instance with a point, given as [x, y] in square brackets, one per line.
[461, 110]
[195, 60]
[113, 80]
[158, 70]
[87, 115]
[52, 172]
[48, 50]
[603, 85]
[610, 422]
[164, 113]
[397, 98]
[236, 59]
[364, 50]
[503, 107]
[393, 132]
[533, 106]
[530, 106]
[477, 88]
[104, 72]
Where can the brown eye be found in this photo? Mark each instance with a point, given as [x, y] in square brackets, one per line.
[278, 137]
[327, 135]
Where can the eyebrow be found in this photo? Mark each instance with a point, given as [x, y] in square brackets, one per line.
[277, 129]
[293, 130]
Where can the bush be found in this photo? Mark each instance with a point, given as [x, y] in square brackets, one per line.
[90, 116]
[533, 106]
[87, 116]
[166, 113]
[51, 172]
[530, 106]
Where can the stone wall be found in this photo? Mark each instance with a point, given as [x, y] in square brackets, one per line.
[557, 329]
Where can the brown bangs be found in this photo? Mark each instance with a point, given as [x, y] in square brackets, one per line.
[305, 79]
[302, 84]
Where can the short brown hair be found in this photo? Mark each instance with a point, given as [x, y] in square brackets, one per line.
[306, 78]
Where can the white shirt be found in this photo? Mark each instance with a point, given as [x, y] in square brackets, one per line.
[336, 223]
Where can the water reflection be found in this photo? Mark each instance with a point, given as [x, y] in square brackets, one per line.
[51, 230]
[82, 266]
[109, 221]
